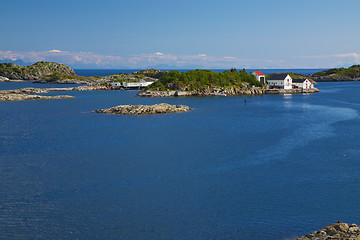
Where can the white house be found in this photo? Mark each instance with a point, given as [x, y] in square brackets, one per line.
[280, 81]
[302, 83]
[259, 76]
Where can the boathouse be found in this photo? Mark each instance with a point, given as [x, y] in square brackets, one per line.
[259, 76]
[116, 84]
[302, 83]
[280, 81]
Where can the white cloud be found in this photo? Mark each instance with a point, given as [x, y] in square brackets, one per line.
[159, 54]
[55, 51]
[202, 55]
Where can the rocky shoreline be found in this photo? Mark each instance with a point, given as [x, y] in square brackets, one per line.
[334, 231]
[224, 92]
[145, 109]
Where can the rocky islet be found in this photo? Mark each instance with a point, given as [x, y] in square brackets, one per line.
[145, 109]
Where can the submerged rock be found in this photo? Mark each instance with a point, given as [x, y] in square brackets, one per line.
[335, 231]
[145, 109]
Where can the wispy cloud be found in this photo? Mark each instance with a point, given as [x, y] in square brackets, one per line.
[333, 60]
[168, 60]
[65, 57]
[341, 55]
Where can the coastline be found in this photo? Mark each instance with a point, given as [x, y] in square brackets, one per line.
[225, 92]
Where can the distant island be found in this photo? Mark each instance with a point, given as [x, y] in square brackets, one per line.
[338, 74]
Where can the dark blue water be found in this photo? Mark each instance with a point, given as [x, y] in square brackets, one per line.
[275, 168]
[105, 72]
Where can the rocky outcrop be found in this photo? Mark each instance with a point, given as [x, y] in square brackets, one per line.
[91, 88]
[35, 71]
[22, 97]
[335, 231]
[25, 91]
[145, 109]
[223, 92]
[28, 94]
[291, 91]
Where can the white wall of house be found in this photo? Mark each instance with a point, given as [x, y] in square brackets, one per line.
[307, 84]
[281, 83]
[288, 82]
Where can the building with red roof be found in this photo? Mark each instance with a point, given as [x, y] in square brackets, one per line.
[259, 76]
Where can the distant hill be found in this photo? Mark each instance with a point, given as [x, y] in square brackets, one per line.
[338, 74]
[35, 71]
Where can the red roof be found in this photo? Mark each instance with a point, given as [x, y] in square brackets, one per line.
[259, 73]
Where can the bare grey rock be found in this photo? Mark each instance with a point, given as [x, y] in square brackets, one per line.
[334, 231]
[22, 97]
[145, 109]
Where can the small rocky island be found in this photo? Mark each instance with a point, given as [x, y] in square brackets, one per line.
[27, 94]
[145, 109]
[335, 231]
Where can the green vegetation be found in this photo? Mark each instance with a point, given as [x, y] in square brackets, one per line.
[123, 77]
[153, 73]
[197, 79]
[13, 68]
[62, 76]
[351, 72]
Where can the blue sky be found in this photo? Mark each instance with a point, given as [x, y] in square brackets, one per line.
[182, 34]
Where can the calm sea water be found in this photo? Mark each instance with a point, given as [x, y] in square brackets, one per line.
[276, 168]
